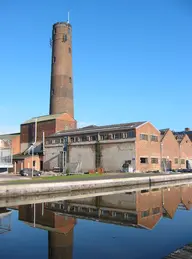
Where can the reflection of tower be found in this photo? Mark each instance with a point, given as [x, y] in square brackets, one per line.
[60, 245]
[5, 220]
[61, 92]
[60, 228]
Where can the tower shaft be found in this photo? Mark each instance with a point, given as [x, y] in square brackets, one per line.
[61, 90]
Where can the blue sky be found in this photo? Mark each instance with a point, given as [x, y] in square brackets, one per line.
[132, 60]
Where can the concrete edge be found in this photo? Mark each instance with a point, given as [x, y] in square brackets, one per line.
[56, 187]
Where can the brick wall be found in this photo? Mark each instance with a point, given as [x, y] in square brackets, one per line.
[148, 202]
[171, 199]
[170, 149]
[185, 150]
[16, 145]
[147, 148]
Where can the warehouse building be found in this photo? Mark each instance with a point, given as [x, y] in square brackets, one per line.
[134, 146]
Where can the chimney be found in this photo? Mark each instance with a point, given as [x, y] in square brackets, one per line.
[187, 129]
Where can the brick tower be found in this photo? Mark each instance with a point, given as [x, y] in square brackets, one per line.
[61, 92]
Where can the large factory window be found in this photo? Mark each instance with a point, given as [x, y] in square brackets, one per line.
[143, 160]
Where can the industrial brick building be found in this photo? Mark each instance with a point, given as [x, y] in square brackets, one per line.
[55, 141]
[109, 147]
[61, 110]
[140, 145]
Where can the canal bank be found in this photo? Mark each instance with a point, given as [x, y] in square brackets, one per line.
[48, 187]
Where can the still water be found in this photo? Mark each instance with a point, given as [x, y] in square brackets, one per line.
[144, 224]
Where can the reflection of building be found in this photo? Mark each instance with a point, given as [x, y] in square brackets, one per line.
[142, 209]
[135, 209]
[59, 227]
[5, 220]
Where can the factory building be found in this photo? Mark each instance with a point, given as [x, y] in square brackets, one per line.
[136, 147]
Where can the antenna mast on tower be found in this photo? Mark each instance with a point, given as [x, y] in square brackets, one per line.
[68, 18]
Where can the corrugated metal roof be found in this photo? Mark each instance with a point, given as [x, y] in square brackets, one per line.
[43, 118]
[94, 128]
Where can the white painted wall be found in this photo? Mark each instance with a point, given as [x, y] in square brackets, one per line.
[84, 154]
[115, 154]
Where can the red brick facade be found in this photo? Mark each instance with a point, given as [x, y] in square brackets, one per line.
[147, 148]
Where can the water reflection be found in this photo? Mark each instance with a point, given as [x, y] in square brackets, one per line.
[142, 209]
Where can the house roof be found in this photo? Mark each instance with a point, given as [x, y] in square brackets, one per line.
[94, 129]
[48, 117]
[9, 136]
[179, 136]
[163, 133]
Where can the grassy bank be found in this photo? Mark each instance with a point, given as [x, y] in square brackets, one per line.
[54, 178]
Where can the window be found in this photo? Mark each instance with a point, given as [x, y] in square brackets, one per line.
[94, 138]
[116, 136]
[176, 160]
[65, 37]
[131, 134]
[52, 91]
[182, 161]
[154, 138]
[154, 160]
[69, 50]
[143, 160]
[72, 139]
[143, 137]
[84, 138]
[33, 163]
[61, 140]
[156, 210]
[54, 59]
[53, 141]
[70, 80]
[55, 31]
[144, 213]
[69, 31]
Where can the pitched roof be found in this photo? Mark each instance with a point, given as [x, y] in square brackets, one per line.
[47, 118]
[163, 133]
[94, 129]
[179, 136]
[9, 136]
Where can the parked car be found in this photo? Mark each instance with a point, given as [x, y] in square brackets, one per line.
[28, 172]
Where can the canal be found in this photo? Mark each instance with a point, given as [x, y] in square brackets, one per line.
[145, 223]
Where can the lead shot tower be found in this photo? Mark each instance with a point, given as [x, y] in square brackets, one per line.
[61, 90]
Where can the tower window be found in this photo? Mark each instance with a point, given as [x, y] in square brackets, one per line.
[54, 59]
[65, 37]
[55, 30]
[52, 91]
[70, 80]
[69, 50]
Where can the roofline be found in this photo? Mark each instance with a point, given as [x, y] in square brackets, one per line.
[10, 134]
[25, 123]
[92, 130]
[166, 134]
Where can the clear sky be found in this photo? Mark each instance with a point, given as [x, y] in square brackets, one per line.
[132, 60]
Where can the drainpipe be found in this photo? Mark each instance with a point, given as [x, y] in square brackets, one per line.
[161, 154]
[179, 155]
